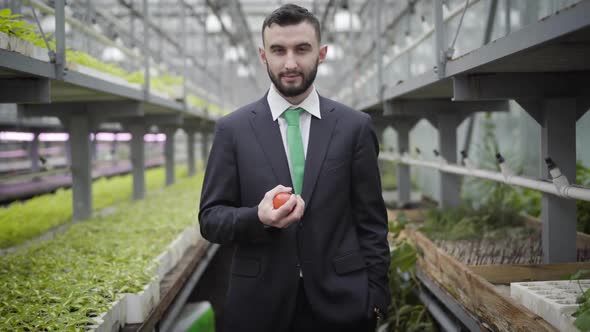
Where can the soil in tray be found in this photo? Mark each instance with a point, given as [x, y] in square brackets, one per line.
[520, 245]
[505, 245]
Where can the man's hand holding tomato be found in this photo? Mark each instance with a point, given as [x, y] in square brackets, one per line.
[290, 212]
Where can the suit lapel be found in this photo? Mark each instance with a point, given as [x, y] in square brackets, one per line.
[320, 135]
[269, 137]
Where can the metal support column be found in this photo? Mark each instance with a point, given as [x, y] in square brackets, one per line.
[559, 215]
[134, 40]
[351, 56]
[450, 184]
[78, 127]
[190, 142]
[184, 45]
[557, 118]
[490, 22]
[160, 36]
[146, 49]
[137, 131]
[221, 72]
[68, 151]
[60, 38]
[169, 154]
[404, 188]
[440, 38]
[93, 148]
[507, 18]
[205, 45]
[378, 49]
[34, 153]
[113, 151]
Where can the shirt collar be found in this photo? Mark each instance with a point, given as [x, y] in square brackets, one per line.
[278, 104]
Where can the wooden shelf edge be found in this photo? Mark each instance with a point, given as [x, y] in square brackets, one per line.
[473, 292]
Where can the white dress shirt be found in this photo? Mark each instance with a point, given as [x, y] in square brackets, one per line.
[278, 105]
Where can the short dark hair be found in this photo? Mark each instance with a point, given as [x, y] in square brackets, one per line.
[291, 14]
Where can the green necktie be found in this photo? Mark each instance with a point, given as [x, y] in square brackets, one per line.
[295, 144]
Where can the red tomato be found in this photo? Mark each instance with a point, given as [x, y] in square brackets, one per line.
[280, 199]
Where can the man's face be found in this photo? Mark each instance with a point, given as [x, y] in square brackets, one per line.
[292, 54]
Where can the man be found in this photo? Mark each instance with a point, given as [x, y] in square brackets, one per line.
[320, 261]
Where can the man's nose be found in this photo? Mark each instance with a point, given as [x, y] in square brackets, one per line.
[291, 61]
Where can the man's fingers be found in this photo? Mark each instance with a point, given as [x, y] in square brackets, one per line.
[278, 189]
[266, 212]
[296, 212]
[299, 208]
[289, 212]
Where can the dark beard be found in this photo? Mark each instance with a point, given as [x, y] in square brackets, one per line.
[294, 91]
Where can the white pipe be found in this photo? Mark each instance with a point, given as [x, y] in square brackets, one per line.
[569, 191]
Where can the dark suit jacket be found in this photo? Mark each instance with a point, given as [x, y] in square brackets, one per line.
[340, 244]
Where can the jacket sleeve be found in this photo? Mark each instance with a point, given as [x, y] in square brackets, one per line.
[222, 218]
[370, 214]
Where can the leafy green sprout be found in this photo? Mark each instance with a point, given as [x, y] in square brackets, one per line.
[63, 283]
[406, 312]
[22, 221]
[13, 25]
[582, 314]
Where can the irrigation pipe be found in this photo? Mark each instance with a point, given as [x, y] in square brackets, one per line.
[568, 191]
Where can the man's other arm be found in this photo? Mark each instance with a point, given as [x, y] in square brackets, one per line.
[371, 214]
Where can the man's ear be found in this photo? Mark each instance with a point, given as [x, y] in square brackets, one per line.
[262, 54]
[323, 52]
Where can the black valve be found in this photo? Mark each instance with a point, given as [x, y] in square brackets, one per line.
[550, 163]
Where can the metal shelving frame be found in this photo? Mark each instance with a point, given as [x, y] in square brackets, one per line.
[543, 67]
[82, 102]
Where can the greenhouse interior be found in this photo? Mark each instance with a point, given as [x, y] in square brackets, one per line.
[130, 203]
